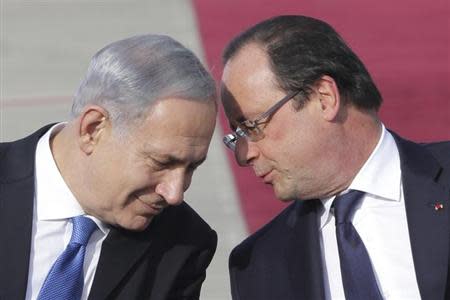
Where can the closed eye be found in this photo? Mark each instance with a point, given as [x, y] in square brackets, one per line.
[159, 164]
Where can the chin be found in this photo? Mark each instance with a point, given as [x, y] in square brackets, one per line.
[283, 194]
[284, 197]
[139, 223]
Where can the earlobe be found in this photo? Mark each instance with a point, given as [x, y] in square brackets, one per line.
[329, 97]
[92, 125]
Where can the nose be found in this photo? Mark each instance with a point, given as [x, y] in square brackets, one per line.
[245, 152]
[173, 186]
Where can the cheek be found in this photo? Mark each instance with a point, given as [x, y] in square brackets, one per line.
[279, 144]
[111, 169]
[127, 184]
[293, 147]
[143, 180]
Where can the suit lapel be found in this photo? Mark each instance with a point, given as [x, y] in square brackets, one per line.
[16, 213]
[120, 252]
[428, 227]
[304, 251]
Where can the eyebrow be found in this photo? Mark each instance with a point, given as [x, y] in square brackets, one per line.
[173, 159]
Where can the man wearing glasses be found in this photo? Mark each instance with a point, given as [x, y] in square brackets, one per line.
[370, 218]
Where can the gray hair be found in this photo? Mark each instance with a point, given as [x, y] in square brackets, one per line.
[128, 76]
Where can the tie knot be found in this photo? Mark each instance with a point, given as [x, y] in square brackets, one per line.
[344, 206]
[82, 230]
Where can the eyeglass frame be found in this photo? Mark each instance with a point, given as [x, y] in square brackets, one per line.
[231, 139]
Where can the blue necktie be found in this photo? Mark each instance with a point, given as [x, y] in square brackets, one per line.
[65, 279]
[357, 274]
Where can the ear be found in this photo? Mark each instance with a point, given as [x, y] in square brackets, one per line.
[93, 124]
[330, 101]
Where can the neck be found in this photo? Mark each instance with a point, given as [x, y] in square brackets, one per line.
[66, 154]
[356, 140]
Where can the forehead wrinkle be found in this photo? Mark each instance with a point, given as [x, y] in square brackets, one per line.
[159, 149]
[176, 160]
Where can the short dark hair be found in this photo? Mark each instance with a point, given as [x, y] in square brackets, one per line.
[301, 50]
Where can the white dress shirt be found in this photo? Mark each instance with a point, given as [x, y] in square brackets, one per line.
[54, 206]
[381, 223]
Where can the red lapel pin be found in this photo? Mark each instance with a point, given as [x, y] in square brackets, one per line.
[438, 206]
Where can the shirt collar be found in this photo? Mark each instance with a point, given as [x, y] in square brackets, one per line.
[54, 200]
[380, 176]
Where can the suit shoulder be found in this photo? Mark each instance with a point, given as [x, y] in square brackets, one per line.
[185, 225]
[17, 157]
[263, 236]
[186, 215]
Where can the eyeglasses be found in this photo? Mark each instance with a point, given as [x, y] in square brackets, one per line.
[251, 128]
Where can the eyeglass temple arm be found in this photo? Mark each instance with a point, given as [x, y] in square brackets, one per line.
[276, 106]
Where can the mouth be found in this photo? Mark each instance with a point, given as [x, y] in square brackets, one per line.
[153, 208]
[265, 176]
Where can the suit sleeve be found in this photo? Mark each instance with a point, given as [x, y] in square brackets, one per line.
[189, 281]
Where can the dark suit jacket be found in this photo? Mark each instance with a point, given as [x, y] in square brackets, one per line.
[283, 259]
[166, 261]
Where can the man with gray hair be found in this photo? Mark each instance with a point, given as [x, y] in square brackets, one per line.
[93, 208]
